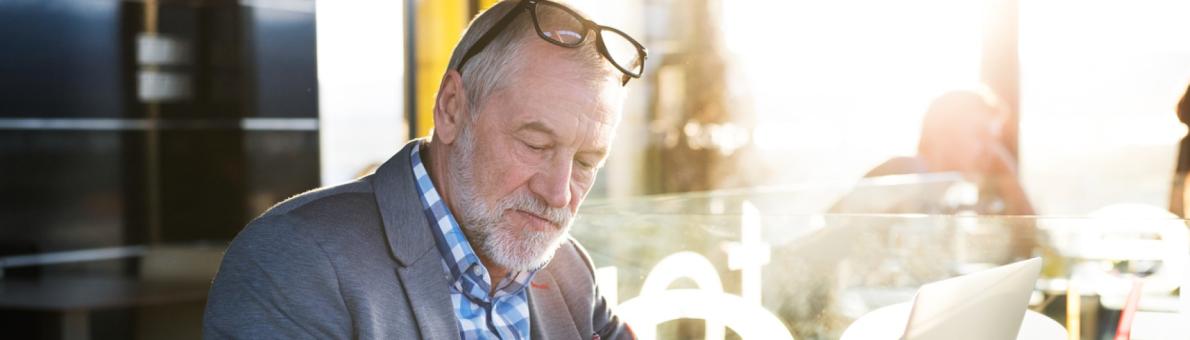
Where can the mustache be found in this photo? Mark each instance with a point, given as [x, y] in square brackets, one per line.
[523, 201]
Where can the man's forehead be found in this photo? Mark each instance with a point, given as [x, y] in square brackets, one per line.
[561, 84]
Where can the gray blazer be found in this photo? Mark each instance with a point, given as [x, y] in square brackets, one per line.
[357, 261]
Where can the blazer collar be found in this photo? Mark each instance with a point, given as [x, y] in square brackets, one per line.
[405, 224]
[407, 230]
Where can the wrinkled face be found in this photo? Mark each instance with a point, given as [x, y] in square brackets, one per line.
[527, 161]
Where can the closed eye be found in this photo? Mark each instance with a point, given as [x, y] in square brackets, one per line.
[535, 147]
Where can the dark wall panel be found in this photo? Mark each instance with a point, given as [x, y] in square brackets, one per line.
[87, 161]
[60, 58]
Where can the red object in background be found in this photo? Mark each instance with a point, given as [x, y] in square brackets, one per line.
[1124, 329]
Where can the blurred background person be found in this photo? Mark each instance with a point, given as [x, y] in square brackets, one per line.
[962, 166]
[960, 133]
[1177, 196]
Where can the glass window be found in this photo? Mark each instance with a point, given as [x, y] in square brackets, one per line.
[839, 86]
[1099, 84]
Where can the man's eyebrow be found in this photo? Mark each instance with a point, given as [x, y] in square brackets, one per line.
[538, 127]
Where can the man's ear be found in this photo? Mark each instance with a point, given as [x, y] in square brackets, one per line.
[450, 108]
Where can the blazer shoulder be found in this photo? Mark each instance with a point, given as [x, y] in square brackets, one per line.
[334, 218]
[335, 205]
[362, 185]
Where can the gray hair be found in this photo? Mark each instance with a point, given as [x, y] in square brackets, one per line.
[490, 69]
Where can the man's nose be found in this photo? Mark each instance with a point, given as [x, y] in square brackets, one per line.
[552, 183]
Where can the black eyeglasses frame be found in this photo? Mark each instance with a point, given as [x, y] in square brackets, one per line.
[588, 26]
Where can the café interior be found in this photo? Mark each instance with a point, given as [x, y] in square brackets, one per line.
[787, 169]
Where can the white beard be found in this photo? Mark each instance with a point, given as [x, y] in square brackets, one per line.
[513, 247]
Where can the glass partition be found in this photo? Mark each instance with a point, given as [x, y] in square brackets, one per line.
[807, 263]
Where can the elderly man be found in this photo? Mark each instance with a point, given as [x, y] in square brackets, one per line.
[463, 235]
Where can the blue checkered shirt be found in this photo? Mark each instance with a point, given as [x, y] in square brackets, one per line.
[480, 315]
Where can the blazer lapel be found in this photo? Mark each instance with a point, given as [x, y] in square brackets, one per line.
[549, 318]
[428, 292]
[407, 230]
[405, 224]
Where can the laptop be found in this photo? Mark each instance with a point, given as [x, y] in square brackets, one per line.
[989, 304]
